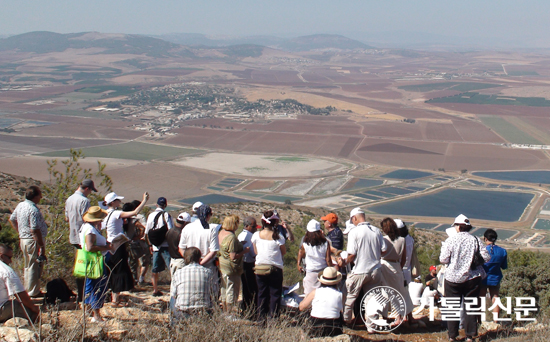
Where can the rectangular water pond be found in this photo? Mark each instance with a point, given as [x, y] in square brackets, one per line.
[518, 176]
[213, 199]
[542, 224]
[485, 204]
[406, 174]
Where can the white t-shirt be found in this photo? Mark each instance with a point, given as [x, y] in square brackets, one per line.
[327, 303]
[409, 245]
[114, 226]
[269, 251]
[88, 229]
[367, 244]
[316, 257]
[246, 238]
[10, 283]
[415, 292]
[194, 235]
[151, 221]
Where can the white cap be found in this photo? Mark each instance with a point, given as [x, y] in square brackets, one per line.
[313, 226]
[399, 223]
[111, 197]
[355, 211]
[349, 227]
[461, 219]
[197, 205]
[184, 217]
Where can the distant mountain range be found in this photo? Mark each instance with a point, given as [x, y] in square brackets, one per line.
[44, 42]
[303, 43]
[171, 45]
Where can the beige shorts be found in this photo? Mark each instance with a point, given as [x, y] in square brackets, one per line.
[231, 286]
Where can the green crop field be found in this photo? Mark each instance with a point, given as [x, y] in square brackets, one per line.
[508, 131]
[114, 90]
[459, 86]
[477, 98]
[522, 73]
[83, 113]
[132, 150]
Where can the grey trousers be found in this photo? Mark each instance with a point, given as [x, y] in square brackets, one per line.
[33, 268]
[14, 308]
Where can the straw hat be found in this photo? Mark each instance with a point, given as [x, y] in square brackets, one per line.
[329, 276]
[94, 214]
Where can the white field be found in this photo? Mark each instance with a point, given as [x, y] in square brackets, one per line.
[261, 165]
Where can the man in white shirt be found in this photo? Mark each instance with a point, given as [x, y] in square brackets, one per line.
[28, 221]
[75, 207]
[204, 236]
[158, 224]
[10, 285]
[366, 246]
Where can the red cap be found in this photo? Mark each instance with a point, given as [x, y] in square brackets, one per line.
[433, 268]
[332, 218]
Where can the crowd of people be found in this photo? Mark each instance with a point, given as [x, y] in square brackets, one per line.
[210, 265]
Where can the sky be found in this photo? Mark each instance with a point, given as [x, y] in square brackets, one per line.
[524, 22]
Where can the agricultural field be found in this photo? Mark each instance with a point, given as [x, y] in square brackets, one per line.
[131, 150]
[481, 99]
[458, 86]
[507, 130]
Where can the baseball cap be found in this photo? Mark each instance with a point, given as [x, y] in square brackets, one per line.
[349, 227]
[355, 211]
[313, 226]
[462, 219]
[399, 223]
[111, 197]
[162, 201]
[183, 217]
[332, 218]
[88, 183]
[433, 268]
[197, 205]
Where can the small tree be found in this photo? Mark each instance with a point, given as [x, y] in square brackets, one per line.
[65, 177]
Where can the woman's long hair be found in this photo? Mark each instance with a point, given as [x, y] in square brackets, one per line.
[491, 236]
[315, 238]
[390, 228]
[270, 225]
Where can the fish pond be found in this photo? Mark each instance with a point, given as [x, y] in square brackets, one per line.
[518, 176]
[484, 205]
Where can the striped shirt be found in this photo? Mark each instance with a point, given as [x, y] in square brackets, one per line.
[28, 217]
[193, 287]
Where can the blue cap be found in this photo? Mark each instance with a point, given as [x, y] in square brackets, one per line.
[162, 201]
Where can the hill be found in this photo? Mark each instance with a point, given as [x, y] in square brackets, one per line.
[322, 41]
[45, 42]
[303, 43]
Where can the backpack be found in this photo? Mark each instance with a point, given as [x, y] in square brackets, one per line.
[157, 235]
[57, 289]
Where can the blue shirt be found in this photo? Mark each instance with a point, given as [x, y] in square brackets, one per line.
[493, 268]
[337, 238]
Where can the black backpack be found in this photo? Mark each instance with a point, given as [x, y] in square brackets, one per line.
[157, 235]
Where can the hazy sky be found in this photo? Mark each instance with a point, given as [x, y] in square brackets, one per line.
[502, 19]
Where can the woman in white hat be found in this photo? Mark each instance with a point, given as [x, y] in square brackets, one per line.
[326, 305]
[94, 241]
[464, 273]
[121, 274]
[316, 251]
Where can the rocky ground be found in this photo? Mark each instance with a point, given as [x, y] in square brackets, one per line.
[146, 319]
